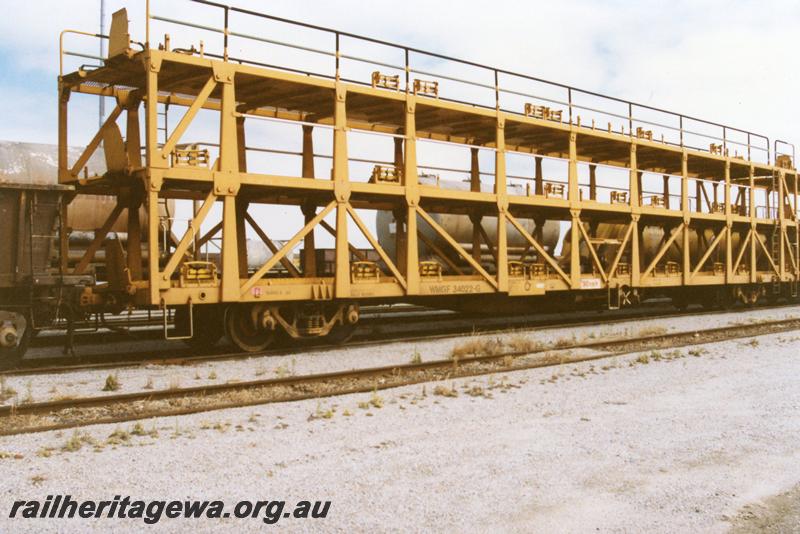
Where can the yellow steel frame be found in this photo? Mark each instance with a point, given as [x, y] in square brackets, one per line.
[142, 80]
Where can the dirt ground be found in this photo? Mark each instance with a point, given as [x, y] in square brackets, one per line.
[687, 440]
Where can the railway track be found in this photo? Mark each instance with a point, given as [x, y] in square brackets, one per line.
[438, 328]
[69, 413]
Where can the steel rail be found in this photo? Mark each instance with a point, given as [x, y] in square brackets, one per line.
[373, 378]
[380, 338]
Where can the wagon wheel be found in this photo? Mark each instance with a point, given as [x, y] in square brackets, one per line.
[244, 332]
[10, 357]
[208, 327]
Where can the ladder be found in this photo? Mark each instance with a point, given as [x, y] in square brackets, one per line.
[165, 122]
[775, 250]
[775, 237]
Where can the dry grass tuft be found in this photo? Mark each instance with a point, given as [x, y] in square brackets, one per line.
[652, 331]
[6, 391]
[444, 391]
[477, 347]
[77, 441]
[376, 400]
[118, 437]
[112, 383]
[524, 344]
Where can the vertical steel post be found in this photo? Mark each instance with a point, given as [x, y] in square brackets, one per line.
[753, 226]
[226, 183]
[687, 214]
[412, 196]
[400, 214]
[341, 187]
[502, 205]
[635, 214]
[539, 177]
[573, 195]
[475, 186]
[728, 223]
[309, 209]
[101, 99]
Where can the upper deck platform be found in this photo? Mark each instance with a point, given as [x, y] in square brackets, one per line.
[538, 115]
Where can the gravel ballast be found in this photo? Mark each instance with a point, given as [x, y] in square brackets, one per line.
[668, 442]
[84, 383]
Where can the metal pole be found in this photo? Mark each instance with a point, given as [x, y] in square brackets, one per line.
[102, 109]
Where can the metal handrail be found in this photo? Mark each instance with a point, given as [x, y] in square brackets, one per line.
[571, 91]
[62, 52]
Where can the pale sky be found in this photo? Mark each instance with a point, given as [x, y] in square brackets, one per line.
[727, 61]
[732, 62]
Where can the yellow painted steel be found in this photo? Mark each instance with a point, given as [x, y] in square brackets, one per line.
[237, 92]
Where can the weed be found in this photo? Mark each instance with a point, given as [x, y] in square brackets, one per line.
[321, 413]
[475, 391]
[175, 382]
[197, 375]
[76, 441]
[112, 383]
[6, 391]
[212, 375]
[36, 480]
[444, 391]
[45, 452]
[416, 357]
[138, 430]
[753, 343]
[347, 413]
[282, 371]
[564, 342]
[149, 383]
[697, 352]
[643, 358]
[476, 347]
[118, 437]
[523, 344]
[28, 392]
[363, 405]
[652, 331]
[376, 400]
